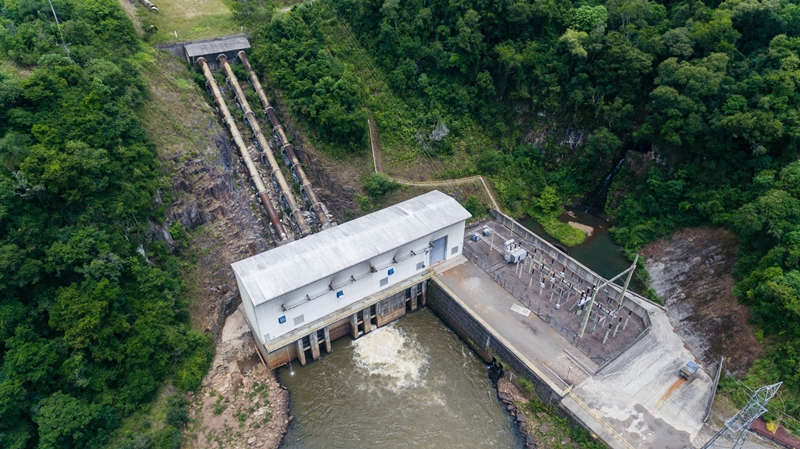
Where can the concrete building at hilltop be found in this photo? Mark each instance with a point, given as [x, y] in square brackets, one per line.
[348, 279]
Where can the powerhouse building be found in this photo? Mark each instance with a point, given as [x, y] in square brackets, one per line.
[350, 278]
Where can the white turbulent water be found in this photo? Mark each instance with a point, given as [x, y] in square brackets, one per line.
[412, 384]
[391, 358]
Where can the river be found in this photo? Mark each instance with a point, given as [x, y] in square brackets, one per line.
[598, 252]
[410, 384]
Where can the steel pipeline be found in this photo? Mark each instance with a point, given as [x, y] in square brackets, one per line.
[316, 204]
[237, 137]
[275, 169]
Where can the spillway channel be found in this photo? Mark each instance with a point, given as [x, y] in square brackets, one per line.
[410, 384]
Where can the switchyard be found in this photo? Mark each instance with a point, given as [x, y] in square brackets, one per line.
[620, 379]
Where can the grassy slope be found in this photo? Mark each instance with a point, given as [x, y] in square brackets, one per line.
[190, 19]
[13, 69]
[397, 122]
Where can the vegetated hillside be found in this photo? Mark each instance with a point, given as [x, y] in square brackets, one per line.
[92, 315]
[708, 91]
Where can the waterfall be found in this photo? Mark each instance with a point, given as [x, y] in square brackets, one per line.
[597, 199]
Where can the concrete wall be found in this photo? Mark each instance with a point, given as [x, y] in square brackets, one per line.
[481, 341]
[318, 300]
[534, 241]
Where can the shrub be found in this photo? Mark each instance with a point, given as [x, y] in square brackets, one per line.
[378, 185]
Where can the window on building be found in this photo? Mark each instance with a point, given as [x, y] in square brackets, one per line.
[454, 250]
[299, 320]
[420, 265]
[384, 281]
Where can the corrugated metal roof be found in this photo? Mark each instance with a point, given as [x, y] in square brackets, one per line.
[284, 269]
[215, 48]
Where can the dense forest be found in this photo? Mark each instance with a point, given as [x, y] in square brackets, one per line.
[92, 315]
[708, 90]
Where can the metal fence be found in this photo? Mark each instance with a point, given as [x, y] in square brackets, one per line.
[576, 269]
[615, 291]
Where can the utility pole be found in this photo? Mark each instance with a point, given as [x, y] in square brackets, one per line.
[58, 25]
[629, 271]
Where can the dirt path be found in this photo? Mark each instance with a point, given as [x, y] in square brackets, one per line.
[692, 272]
[378, 164]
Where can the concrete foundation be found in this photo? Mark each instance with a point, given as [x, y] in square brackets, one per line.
[379, 314]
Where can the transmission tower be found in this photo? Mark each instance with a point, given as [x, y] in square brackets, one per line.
[737, 428]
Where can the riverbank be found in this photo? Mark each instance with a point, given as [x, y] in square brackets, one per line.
[538, 427]
[241, 404]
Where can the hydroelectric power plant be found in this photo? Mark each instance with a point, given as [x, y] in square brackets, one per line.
[349, 279]
[604, 357]
[598, 354]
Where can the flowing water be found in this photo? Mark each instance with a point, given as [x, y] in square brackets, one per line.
[597, 199]
[411, 384]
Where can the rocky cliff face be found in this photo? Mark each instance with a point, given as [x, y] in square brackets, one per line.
[692, 273]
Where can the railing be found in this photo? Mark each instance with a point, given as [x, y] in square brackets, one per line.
[583, 274]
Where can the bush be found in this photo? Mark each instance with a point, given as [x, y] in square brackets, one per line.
[177, 415]
[168, 438]
[526, 385]
[199, 349]
[474, 206]
[563, 232]
[378, 185]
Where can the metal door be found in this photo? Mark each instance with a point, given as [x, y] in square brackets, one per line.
[438, 250]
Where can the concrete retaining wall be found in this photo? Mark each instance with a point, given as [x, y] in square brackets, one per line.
[631, 298]
[482, 342]
[486, 346]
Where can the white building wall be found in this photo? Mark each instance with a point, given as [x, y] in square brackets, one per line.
[300, 311]
[249, 311]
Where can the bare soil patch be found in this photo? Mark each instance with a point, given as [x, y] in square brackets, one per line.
[241, 403]
[692, 273]
[586, 229]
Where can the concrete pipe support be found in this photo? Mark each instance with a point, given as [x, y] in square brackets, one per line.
[275, 169]
[149, 5]
[316, 204]
[263, 194]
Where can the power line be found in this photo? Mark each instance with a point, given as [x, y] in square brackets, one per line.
[58, 25]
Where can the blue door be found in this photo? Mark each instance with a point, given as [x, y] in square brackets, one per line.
[438, 250]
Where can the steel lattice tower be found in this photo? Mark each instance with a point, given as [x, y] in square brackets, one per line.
[737, 428]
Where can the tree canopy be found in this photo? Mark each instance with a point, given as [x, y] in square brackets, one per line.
[92, 315]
